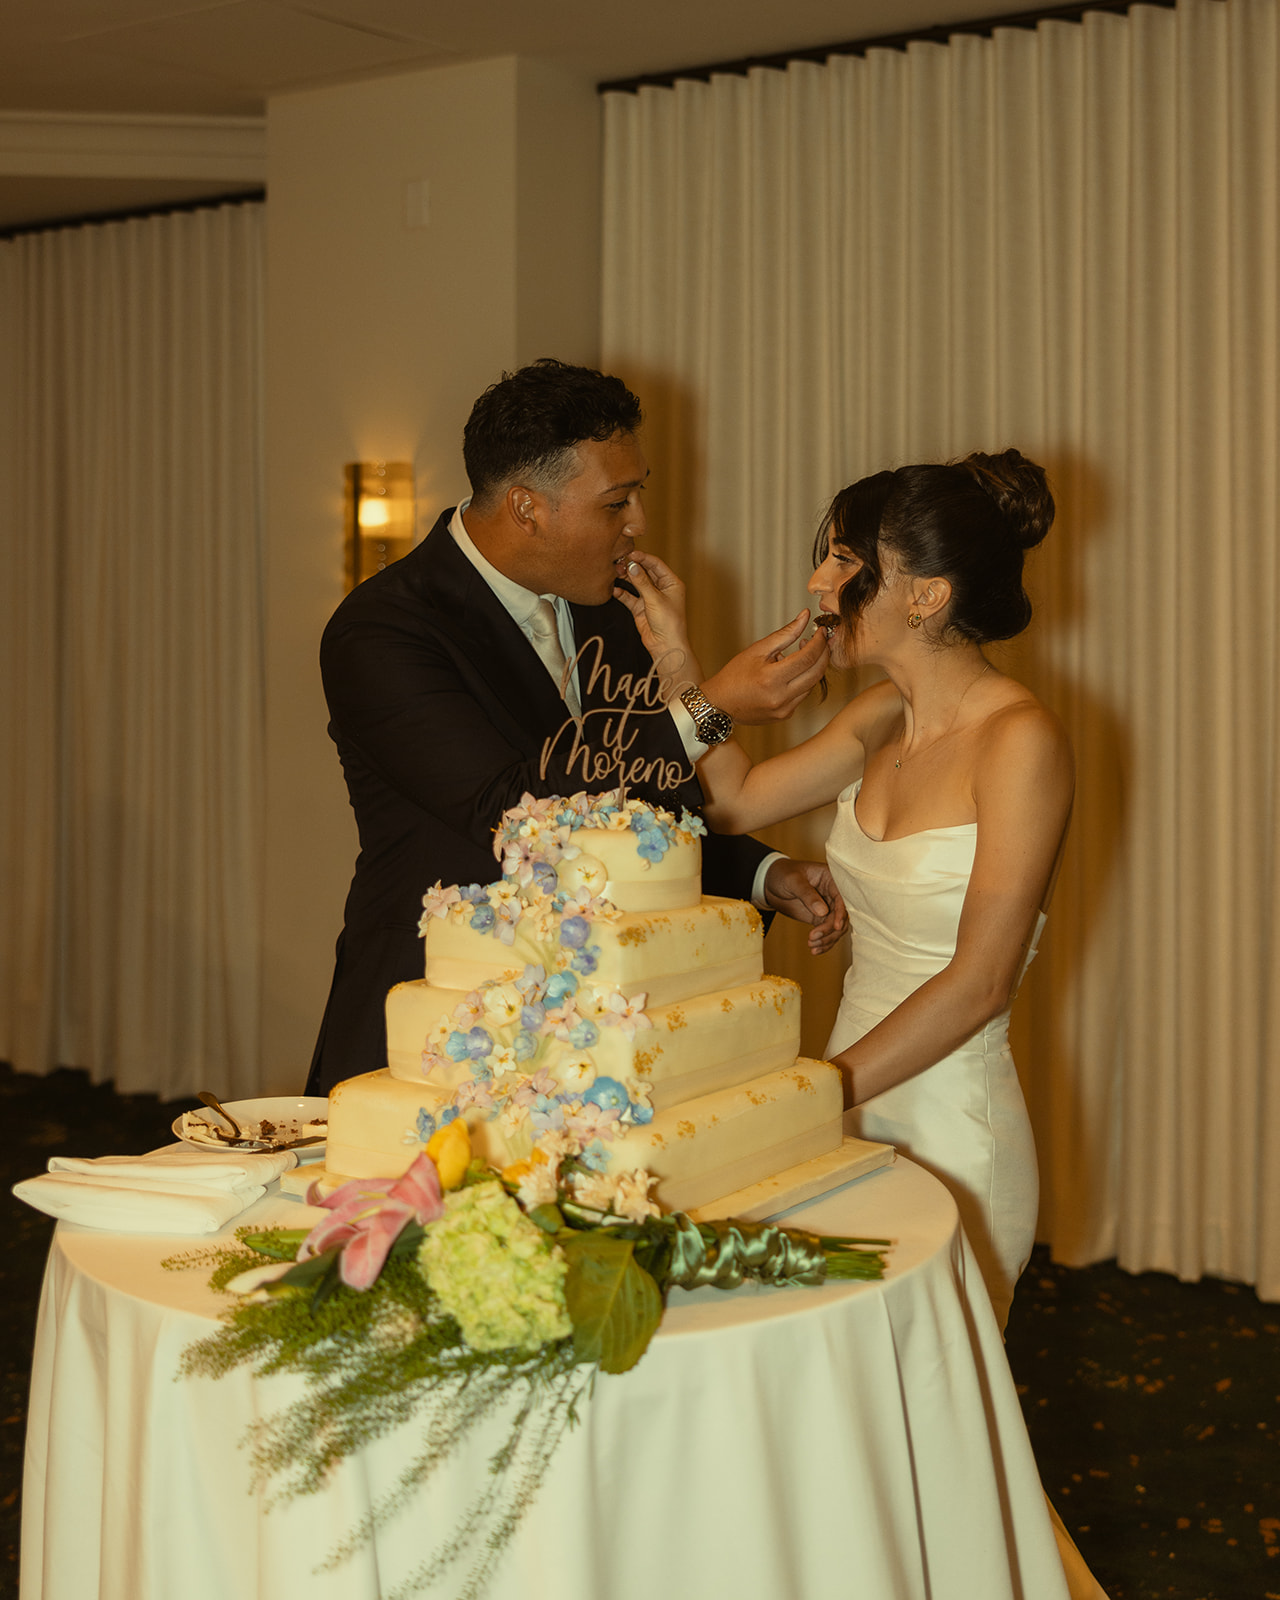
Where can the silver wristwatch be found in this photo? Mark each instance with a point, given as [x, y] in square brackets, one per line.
[712, 725]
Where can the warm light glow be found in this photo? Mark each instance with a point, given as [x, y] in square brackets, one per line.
[380, 516]
[374, 513]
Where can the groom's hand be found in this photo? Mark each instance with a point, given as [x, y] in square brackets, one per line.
[806, 891]
[763, 683]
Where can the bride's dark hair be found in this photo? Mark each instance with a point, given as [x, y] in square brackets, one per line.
[968, 521]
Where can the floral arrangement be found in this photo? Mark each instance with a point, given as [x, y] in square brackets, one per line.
[491, 1052]
[457, 1291]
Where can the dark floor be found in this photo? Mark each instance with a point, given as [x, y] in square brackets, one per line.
[1153, 1405]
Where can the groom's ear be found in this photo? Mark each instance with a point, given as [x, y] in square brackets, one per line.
[522, 506]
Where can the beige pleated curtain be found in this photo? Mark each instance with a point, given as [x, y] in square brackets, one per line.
[1063, 239]
[131, 628]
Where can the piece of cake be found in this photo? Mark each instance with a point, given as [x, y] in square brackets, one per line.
[593, 1003]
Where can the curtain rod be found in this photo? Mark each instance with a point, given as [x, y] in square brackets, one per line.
[239, 198]
[941, 34]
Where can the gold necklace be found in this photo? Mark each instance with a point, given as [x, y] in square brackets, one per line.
[986, 667]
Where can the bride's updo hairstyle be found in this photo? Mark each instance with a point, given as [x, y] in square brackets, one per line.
[969, 521]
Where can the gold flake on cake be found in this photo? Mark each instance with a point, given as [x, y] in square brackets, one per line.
[676, 1018]
[726, 1004]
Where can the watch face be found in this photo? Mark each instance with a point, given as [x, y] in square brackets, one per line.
[714, 726]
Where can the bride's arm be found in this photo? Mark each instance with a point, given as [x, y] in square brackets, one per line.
[763, 683]
[1022, 789]
[739, 796]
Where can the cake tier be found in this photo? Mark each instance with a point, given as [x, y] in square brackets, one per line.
[693, 1047]
[698, 1150]
[609, 865]
[666, 955]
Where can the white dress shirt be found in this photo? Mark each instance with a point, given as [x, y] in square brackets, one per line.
[521, 605]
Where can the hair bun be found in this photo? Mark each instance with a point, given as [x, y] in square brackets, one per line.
[1020, 490]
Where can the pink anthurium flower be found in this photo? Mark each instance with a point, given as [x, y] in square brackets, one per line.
[367, 1216]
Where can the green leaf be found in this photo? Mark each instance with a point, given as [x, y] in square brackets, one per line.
[547, 1217]
[311, 1270]
[613, 1303]
[281, 1244]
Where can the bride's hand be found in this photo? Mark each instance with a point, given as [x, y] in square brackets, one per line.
[658, 607]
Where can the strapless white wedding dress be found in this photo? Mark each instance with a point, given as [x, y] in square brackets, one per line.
[963, 1118]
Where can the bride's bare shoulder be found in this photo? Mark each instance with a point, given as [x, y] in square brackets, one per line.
[1025, 733]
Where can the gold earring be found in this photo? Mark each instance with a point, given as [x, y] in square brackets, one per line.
[914, 620]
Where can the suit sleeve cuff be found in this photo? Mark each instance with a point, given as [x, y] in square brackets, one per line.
[693, 746]
[762, 872]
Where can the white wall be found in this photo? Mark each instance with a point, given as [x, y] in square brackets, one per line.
[379, 337]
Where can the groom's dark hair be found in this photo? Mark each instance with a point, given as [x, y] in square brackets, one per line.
[524, 428]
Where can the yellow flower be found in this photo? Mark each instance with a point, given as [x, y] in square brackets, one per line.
[450, 1149]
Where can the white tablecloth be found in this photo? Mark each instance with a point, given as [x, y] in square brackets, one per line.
[860, 1440]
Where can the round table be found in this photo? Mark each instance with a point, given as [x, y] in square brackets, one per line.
[773, 1444]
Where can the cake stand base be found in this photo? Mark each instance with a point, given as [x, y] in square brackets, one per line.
[819, 1176]
[757, 1203]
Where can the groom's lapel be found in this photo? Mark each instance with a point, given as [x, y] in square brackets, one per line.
[482, 630]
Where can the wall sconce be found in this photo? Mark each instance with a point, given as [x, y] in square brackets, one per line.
[379, 516]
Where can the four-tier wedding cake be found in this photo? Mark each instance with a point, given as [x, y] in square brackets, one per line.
[592, 1003]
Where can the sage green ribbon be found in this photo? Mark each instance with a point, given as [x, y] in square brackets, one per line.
[723, 1254]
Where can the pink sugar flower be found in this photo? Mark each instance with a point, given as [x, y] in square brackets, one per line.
[367, 1216]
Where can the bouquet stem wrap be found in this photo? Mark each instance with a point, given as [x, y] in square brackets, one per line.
[725, 1255]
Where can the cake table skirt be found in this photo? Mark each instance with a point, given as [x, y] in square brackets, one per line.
[860, 1440]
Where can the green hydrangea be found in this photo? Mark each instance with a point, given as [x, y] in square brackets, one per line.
[495, 1272]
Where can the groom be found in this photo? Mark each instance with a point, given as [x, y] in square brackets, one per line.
[493, 660]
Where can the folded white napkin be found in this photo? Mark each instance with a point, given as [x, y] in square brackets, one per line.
[174, 1190]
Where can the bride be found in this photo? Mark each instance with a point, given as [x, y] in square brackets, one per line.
[953, 786]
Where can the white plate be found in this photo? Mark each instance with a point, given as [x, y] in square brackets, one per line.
[288, 1112]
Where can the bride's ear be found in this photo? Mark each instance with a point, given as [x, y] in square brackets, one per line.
[931, 595]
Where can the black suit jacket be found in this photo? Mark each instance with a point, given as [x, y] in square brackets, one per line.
[440, 707]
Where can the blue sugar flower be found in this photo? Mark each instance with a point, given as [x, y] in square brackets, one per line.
[474, 893]
[587, 960]
[692, 823]
[448, 1115]
[479, 1044]
[525, 1045]
[426, 1125]
[560, 985]
[595, 1156]
[608, 1094]
[544, 877]
[456, 1046]
[641, 1113]
[483, 917]
[532, 1016]
[584, 1035]
[651, 844]
[574, 932]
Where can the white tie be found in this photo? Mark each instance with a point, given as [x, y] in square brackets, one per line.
[544, 630]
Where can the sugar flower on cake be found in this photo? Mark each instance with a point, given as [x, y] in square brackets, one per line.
[473, 1092]
[502, 1003]
[631, 1196]
[577, 1074]
[594, 1156]
[593, 1122]
[473, 1045]
[584, 873]
[594, 1190]
[436, 903]
[468, 1010]
[626, 1013]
